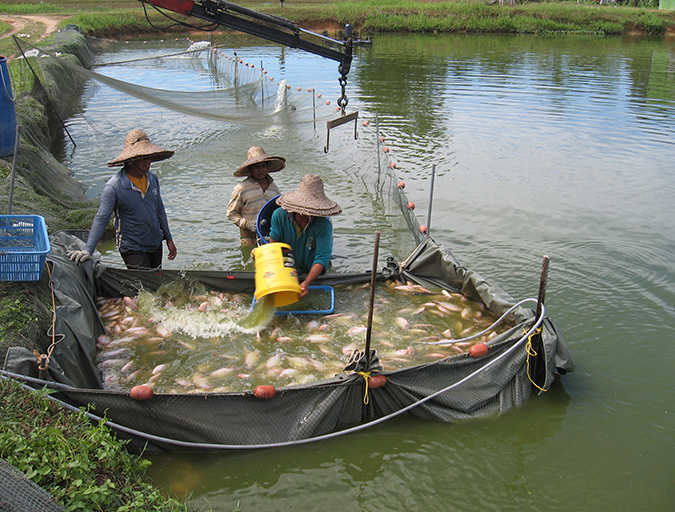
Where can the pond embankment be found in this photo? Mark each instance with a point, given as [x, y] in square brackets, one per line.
[42, 185]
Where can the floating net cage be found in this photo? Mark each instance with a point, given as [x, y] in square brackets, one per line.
[460, 385]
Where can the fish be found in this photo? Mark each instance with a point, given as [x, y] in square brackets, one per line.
[158, 369]
[112, 362]
[163, 332]
[112, 353]
[130, 303]
[301, 363]
[412, 288]
[274, 361]
[283, 339]
[222, 372]
[357, 329]
[318, 338]
[251, 359]
[289, 372]
[326, 351]
[183, 383]
[402, 322]
[201, 382]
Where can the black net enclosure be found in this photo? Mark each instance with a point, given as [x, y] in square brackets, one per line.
[182, 361]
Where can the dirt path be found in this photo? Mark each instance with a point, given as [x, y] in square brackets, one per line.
[27, 25]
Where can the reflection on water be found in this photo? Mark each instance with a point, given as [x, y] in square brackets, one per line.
[542, 145]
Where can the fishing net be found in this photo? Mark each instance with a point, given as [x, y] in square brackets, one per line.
[524, 357]
[42, 183]
[240, 92]
[458, 387]
[18, 493]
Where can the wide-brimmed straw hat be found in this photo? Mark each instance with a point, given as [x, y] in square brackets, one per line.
[137, 145]
[309, 199]
[255, 155]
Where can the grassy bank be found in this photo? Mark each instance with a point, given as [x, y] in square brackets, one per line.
[82, 465]
[108, 19]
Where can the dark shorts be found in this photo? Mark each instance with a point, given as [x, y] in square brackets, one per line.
[135, 260]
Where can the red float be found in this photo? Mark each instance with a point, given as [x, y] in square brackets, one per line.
[423, 230]
[142, 392]
[401, 184]
[265, 392]
[411, 205]
[377, 381]
[478, 350]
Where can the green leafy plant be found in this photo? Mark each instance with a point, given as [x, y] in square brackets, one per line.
[14, 314]
[82, 465]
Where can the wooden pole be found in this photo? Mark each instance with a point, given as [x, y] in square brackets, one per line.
[542, 285]
[371, 306]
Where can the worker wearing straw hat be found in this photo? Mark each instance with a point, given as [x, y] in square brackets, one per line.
[249, 196]
[302, 222]
[133, 199]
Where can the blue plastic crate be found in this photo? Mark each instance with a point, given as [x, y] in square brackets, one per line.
[307, 306]
[24, 245]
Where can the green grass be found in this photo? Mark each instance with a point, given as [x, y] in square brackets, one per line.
[82, 465]
[108, 19]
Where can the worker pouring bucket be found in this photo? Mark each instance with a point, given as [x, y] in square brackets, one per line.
[275, 273]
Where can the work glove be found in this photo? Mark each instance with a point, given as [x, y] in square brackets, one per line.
[78, 256]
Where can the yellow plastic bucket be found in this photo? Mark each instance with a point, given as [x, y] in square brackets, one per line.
[275, 273]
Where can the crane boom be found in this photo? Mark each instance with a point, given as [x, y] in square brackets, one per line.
[261, 25]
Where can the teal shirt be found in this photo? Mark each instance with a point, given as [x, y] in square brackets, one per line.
[312, 245]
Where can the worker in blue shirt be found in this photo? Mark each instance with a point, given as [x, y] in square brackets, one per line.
[132, 197]
[302, 222]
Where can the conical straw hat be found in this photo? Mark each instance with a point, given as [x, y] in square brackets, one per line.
[137, 145]
[309, 199]
[255, 155]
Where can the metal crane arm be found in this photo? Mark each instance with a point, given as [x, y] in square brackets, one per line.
[262, 25]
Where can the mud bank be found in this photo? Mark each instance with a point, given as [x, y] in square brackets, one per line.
[42, 185]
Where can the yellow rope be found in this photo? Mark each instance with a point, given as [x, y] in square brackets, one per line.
[532, 353]
[366, 376]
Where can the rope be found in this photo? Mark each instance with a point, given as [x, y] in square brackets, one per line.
[532, 353]
[214, 446]
[118, 62]
[43, 359]
[366, 376]
[8, 91]
[487, 329]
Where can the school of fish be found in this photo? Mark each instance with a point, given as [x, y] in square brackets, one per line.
[185, 339]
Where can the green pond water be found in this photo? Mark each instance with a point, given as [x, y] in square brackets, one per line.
[541, 145]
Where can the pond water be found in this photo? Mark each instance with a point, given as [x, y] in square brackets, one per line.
[541, 145]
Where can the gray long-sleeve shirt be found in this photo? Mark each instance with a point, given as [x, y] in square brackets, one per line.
[140, 219]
